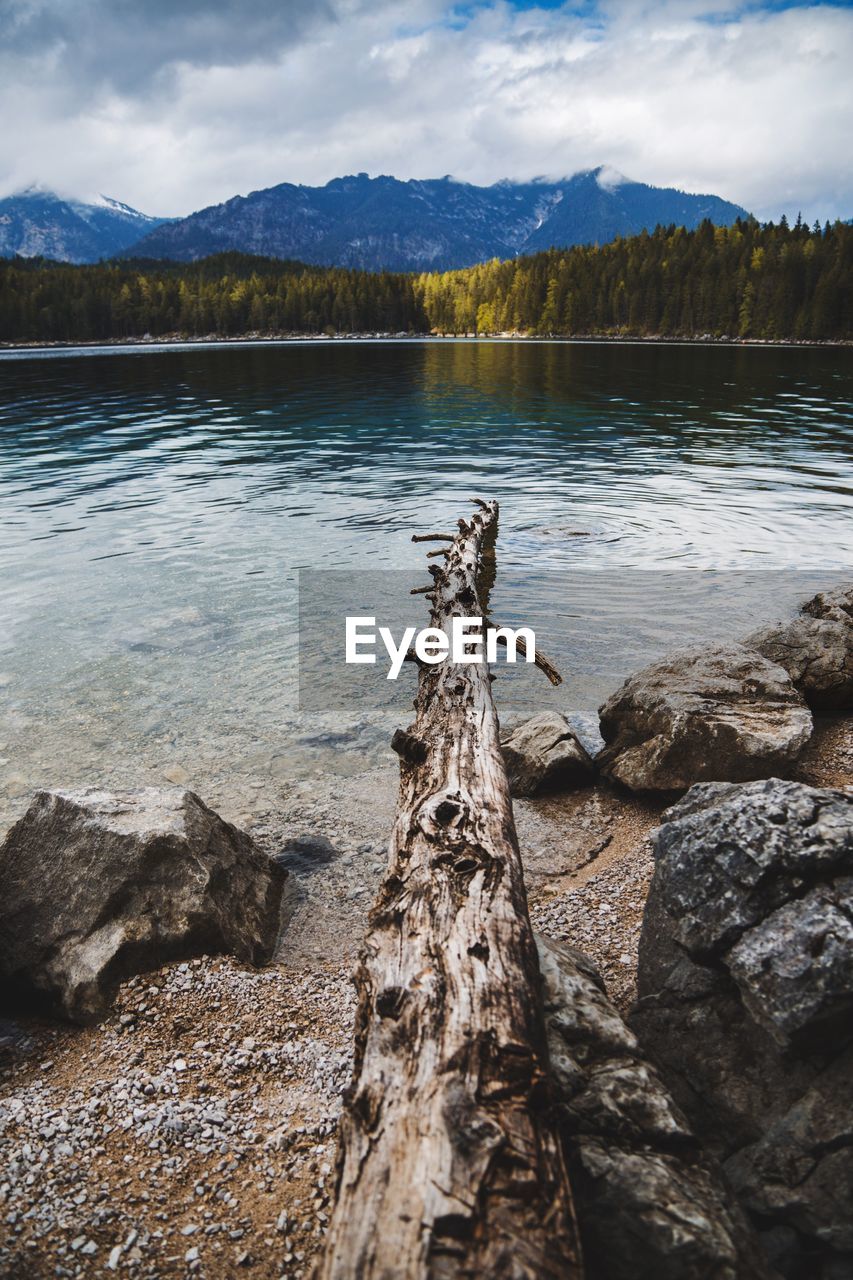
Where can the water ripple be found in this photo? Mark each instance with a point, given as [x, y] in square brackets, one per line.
[189, 485]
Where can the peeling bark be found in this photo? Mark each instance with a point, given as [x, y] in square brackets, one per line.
[450, 1162]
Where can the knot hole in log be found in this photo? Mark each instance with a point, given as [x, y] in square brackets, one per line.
[390, 1002]
[447, 812]
[445, 818]
[409, 746]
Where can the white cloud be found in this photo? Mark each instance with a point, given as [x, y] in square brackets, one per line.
[753, 105]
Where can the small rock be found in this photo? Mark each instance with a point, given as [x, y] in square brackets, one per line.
[544, 754]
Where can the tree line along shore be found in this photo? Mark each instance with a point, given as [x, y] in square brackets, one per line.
[747, 281]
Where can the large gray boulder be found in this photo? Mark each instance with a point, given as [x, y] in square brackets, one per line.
[816, 649]
[799, 1175]
[544, 754]
[97, 885]
[704, 714]
[746, 1002]
[728, 856]
[795, 972]
[650, 1204]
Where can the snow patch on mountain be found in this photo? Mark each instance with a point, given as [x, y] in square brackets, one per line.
[39, 222]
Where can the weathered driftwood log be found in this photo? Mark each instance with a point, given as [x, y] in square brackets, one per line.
[450, 1164]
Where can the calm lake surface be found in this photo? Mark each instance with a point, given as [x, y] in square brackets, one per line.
[156, 505]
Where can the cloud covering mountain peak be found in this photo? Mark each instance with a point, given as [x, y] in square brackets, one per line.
[182, 104]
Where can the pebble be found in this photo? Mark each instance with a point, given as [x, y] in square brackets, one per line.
[603, 918]
[238, 1140]
[123, 1139]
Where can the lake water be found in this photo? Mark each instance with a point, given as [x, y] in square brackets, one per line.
[156, 506]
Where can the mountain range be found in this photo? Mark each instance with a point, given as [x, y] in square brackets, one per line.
[435, 224]
[39, 223]
[358, 221]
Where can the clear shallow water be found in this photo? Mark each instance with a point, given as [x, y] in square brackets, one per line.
[156, 505]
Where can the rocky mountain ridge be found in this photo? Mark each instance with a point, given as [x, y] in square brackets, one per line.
[373, 224]
[436, 224]
[38, 223]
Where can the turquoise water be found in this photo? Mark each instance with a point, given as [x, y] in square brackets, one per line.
[157, 503]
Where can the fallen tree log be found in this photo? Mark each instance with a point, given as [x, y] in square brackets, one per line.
[450, 1164]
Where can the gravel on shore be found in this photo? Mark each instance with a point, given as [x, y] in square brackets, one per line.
[193, 1132]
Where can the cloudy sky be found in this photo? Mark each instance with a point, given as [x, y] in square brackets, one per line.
[175, 104]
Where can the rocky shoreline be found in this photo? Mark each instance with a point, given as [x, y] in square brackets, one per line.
[192, 1130]
[207, 1101]
[260, 339]
[201, 1115]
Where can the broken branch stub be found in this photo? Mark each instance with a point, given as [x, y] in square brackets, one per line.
[450, 1164]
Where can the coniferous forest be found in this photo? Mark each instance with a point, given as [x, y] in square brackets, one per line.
[743, 281]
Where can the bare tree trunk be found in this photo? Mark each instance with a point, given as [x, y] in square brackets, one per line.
[450, 1163]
